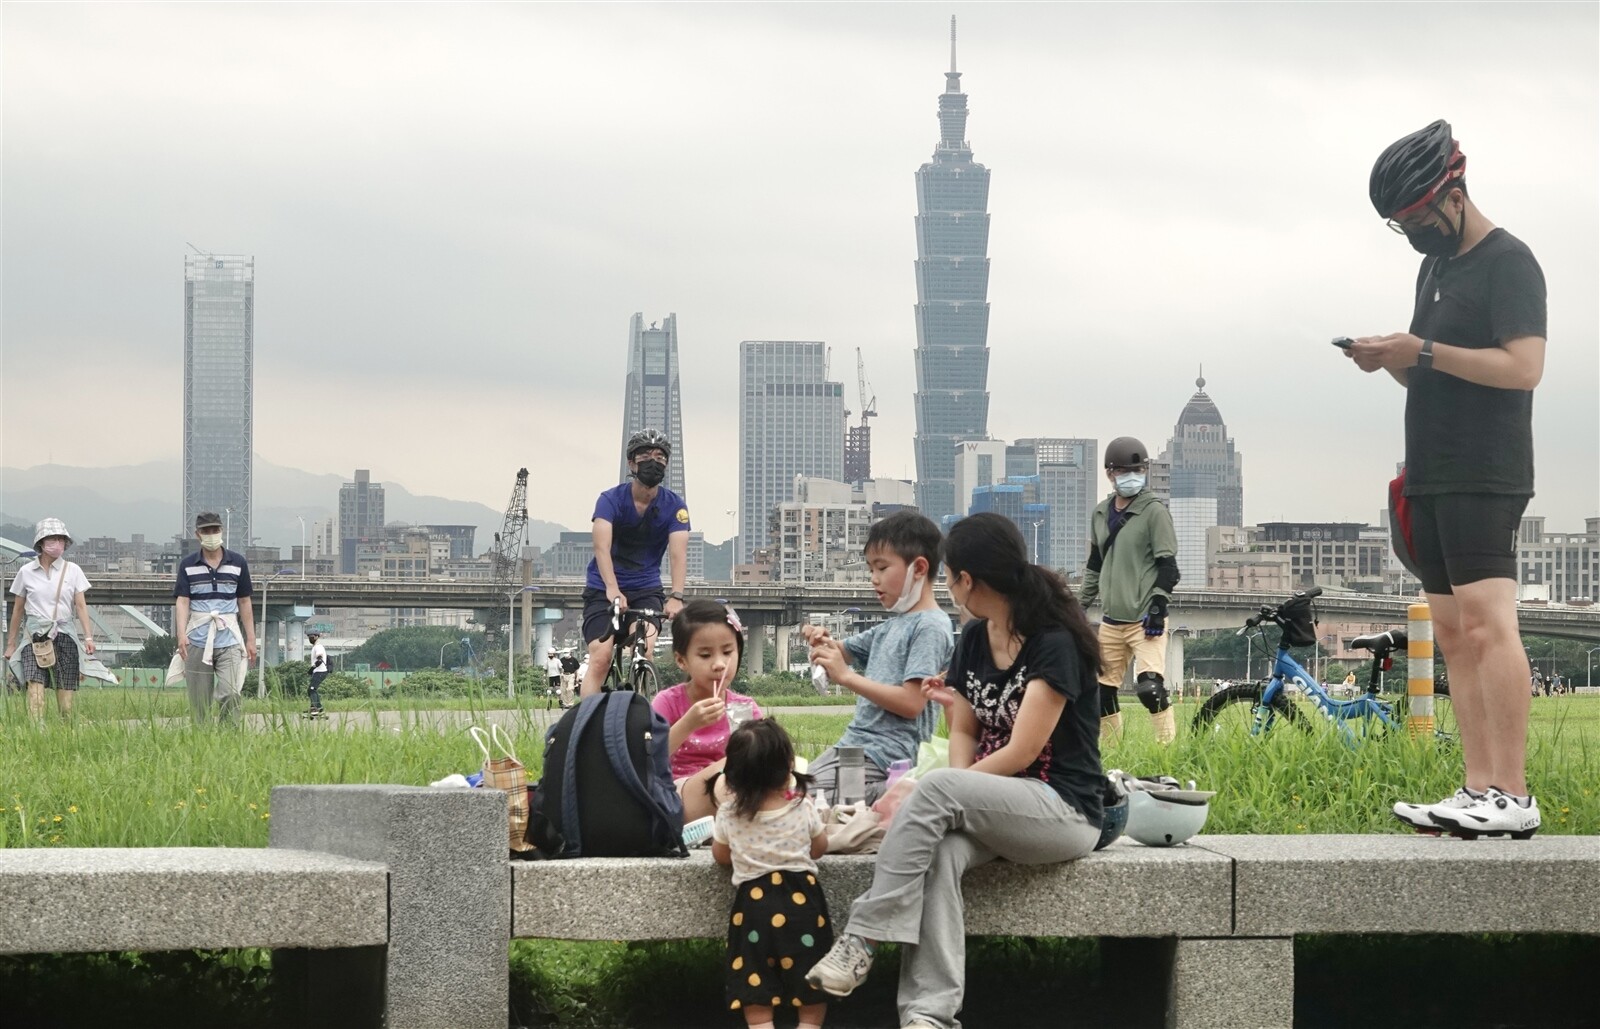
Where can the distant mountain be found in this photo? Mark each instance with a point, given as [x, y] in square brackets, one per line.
[126, 499]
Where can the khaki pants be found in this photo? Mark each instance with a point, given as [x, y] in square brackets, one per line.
[216, 684]
[1120, 644]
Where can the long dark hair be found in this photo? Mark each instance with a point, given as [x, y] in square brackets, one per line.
[989, 547]
[760, 760]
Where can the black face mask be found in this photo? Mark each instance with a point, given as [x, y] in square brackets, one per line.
[650, 473]
[1434, 241]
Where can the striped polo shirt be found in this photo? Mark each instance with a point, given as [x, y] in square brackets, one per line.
[210, 590]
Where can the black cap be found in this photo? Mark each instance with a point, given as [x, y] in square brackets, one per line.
[206, 519]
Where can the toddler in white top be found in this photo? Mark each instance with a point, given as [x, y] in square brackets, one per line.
[771, 835]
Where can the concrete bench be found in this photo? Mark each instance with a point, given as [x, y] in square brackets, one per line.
[393, 905]
[188, 897]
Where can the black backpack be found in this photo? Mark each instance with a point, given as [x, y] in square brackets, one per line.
[607, 788]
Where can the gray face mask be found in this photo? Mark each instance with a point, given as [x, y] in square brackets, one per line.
[1130, 484]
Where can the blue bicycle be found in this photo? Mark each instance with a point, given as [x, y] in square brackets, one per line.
[1258, 706]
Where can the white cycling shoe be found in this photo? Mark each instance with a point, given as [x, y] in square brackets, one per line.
[1496, 814]
[1417, 815]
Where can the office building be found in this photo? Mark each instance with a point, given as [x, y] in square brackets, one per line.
[1070, 484]
[650, 397]
[1348, 555]
[952, 354]
[219, 297]
[1206, 480]
[360, 519]
[978, 462]
[1558, 566]
[1019, 499]
[791, 422]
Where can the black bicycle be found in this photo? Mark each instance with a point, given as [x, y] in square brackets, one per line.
[632, 667]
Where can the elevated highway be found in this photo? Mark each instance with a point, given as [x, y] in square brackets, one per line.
[789, 604]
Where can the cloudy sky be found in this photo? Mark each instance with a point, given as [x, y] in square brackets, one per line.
[455, 209]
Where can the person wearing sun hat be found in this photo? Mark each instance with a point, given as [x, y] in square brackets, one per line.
[49, 591]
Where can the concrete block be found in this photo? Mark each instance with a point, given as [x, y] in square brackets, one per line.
[1289, 885]
[1125, 890]
[1232, 984]
[179, 898]
[449, 890]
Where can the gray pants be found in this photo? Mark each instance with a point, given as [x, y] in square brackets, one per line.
[824, 772]
[218, 683]
[955, 820]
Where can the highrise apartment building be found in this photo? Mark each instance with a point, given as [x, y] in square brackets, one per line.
[360, 517]
[952, 354]
[1070, 484]
[1206, 480]
[219, 297]
[650, 397]
[791, 422]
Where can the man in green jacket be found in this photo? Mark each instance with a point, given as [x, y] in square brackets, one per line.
[1132, 569]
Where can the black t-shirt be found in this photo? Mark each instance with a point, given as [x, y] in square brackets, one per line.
[1070, 761]
[1462, 437]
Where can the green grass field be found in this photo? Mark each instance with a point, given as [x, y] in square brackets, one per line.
[128, 771]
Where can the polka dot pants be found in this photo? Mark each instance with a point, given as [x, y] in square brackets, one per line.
[778, 928]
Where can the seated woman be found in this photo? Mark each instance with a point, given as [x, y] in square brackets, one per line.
[707, 643]
[1024, 781]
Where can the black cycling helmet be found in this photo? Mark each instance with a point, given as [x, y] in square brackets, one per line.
[1126, 452]
[1414, 169]
[649, 439]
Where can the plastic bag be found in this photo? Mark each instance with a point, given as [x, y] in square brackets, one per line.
[931, 754]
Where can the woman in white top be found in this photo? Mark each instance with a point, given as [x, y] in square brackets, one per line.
[48, 590]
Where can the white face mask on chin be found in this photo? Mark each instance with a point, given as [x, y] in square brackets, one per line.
[910, 593]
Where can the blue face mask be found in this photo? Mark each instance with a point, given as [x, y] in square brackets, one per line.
[1130, 484]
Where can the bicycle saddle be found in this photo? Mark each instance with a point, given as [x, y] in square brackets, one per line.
[1381, 642]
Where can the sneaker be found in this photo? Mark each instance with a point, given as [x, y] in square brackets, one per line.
[1416, 815]
[1495, 814]
[843, 968]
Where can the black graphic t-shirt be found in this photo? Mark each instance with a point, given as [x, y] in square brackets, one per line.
[1070, 761]
[1462, 437]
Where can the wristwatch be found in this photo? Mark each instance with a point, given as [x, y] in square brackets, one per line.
[675, 595]
[1425, 358]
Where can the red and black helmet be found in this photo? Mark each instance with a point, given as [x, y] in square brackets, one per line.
[1413, 170]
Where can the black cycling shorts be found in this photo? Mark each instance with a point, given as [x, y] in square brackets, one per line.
[1462, 538]
[597, 610]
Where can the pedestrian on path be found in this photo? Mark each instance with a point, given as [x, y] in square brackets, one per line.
[49, 591]
[319, 672]
[215, 623]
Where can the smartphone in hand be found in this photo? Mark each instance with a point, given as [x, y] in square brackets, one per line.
[1343, 342]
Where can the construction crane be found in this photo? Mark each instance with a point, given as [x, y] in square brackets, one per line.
[513, 533]
[858, 438]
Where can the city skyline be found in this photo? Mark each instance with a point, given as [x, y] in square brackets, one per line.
[1160, 204]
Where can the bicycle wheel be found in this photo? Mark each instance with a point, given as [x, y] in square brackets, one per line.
[645, 682]
[1234, 711]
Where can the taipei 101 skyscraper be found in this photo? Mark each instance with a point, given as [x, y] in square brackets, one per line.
[952, 301]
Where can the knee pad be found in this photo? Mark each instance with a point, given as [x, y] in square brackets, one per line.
[1109, 704]
[1152, 691]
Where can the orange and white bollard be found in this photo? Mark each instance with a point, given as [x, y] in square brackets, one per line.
[1419, 670]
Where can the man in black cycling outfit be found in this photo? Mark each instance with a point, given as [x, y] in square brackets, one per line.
[1470, 362]
[634, 525]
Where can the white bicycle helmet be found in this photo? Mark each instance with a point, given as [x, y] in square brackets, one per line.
[1160, 814]
[1167, 817]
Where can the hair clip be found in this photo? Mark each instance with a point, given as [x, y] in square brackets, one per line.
[733, 620]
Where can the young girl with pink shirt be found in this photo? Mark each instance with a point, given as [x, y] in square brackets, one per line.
[707, 643]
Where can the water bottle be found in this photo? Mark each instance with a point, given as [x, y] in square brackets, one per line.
[852, 775]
